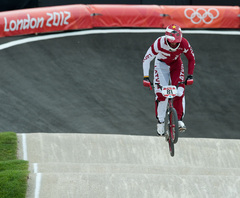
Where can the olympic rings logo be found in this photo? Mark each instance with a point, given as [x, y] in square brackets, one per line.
[201, 14]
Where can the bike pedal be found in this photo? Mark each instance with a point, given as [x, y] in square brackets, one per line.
[182, 130]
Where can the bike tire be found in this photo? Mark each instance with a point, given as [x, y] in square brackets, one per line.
[173, 126]
[169, 137]
[171, 146]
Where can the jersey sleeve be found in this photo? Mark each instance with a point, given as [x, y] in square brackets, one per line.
[188, 52]
[149, 56]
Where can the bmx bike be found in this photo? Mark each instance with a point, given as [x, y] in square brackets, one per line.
[171, 119]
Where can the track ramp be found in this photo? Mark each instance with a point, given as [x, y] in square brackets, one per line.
[106, 166]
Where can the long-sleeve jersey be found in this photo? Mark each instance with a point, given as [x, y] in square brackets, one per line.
[162, 52]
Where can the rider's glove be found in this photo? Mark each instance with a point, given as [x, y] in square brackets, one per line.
[189, 80]
[146, 82]
[180, 91]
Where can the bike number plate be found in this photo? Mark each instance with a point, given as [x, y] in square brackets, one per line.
[169, 91]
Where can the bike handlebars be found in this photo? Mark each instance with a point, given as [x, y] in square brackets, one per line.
[188, 82]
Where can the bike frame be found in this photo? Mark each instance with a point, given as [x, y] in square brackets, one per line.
[171, 124]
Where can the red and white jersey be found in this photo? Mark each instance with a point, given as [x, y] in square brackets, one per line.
[161, 51]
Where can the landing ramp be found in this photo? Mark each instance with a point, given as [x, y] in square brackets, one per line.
[98, 165]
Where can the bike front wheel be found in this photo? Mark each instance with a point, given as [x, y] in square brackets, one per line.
[173, 125]
[171, 146]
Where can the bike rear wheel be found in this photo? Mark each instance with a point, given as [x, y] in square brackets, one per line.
[173, 124]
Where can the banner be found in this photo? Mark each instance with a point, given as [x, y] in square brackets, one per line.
[155, 16]
[127, 16]
[74, 17]
[202, 16]
[49, 19]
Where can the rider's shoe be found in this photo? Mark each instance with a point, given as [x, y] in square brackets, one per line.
[160, 128]
[181, 126]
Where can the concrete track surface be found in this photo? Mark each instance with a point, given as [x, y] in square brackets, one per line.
[87, 125]
[105, 166]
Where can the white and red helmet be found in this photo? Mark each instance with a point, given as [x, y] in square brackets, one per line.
[173, 35]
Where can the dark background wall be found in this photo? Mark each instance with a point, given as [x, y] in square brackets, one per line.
[17, 4]
[42, 3]
[214, 2]
[21, 4]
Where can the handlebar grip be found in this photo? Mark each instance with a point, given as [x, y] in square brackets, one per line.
[147, 84]
[189, 82]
